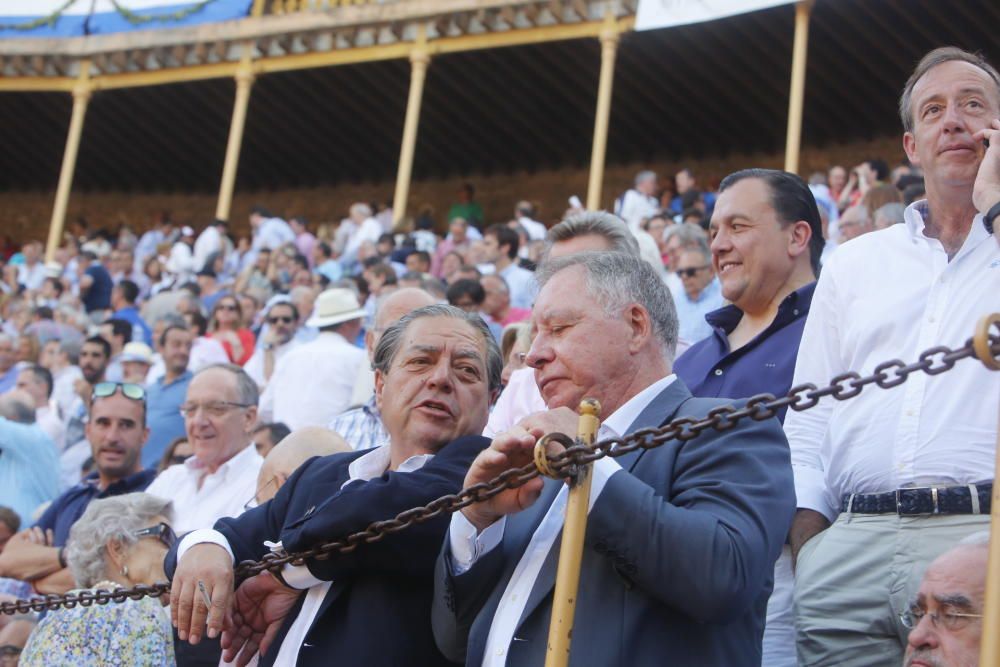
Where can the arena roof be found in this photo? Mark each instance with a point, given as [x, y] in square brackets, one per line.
[694, 91]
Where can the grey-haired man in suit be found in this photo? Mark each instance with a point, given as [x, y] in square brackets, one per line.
[681, 539]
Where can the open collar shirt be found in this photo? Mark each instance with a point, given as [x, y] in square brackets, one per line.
[201, 497]
[892, 294]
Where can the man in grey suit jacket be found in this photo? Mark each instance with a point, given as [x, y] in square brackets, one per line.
[681, 539]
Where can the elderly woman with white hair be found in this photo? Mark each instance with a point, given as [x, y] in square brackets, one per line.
[119, 542]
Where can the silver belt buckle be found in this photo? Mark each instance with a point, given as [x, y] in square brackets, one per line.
[899, 502]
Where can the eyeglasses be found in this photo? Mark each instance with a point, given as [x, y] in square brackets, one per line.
[250, 504]
[690, 273]
[129, 390]
[280, 319]
[946, 618]
[212, 408]
[160, 531]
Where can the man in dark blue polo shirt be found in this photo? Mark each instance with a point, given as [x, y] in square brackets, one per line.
[766, 244]
[95, 284]
[116, 431]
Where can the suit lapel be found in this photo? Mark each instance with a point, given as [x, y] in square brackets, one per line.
[659, 410]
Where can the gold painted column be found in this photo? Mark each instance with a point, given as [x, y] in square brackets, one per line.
[81, 96]
[609, 47]
[419, 60]
[244, 81]
[793, 139]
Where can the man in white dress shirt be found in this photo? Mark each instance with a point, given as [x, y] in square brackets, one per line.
[906, 473]
[313, 382]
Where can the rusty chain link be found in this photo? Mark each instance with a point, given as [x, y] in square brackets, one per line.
[843, 387]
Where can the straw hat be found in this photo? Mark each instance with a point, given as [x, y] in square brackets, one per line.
[334, 306]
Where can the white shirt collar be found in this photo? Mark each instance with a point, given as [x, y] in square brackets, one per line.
[244, 456]
[376, 462]
[619, 421]
[914, 216]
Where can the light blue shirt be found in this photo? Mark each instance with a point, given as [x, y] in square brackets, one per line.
[691, 314]
[522, 285]
[163, 414]
[29, 470]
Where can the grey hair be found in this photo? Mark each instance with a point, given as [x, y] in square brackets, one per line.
[106, 520]
[690, 236]
[361, 209]
[937, 57]
[16, 410]
[594, 223]
[644, 176]
[246, 389]
[893, 211]
[388, 344]
[71, 348]
[616, 280]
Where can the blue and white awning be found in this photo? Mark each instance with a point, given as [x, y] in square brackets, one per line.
[73, 18]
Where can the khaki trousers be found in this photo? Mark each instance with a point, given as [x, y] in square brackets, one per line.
[854, 579]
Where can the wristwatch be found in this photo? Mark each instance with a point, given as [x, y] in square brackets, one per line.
[990, 216]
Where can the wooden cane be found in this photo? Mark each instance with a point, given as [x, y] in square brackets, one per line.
[989, 648]
[571, 552]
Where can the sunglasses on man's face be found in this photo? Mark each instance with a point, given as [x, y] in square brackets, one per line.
[160, 531]
[280, 320]
[690, 273]
[226, 306]
[129, 390]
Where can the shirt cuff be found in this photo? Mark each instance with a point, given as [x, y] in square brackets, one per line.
[295, 576]
[468, 545]
[810, 491]
[204, 536]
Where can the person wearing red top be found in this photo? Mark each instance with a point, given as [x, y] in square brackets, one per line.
[226, 326]
[497, 304]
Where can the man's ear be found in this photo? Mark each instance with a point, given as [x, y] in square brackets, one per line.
[910, 147]
[798, 239]
[640, 324]
[379, 385]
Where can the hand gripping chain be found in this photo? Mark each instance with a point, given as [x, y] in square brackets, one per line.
[936, 360]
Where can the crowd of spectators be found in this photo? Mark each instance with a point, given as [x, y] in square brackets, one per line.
[183, 381]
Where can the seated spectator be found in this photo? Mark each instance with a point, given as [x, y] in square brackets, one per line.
[227, 327]
[466, 294]
[205, 350]
[61, 358]
[418, 262]
[8, 362]
[945, 619]
[177, 452]
[853, 223]
[282, 320]
[888, 215]
[115, 433]
[639, 202]
[123, 299]
[266, 436]
[117, 543]
[496, 304]
[701, 295]
[514, 345]
[29, 470]
[458, 241]
[36, 381]
[165, 395]
[450, 263]
[501, 245]
[219, 412]
[136, 359]
[10, 523]
[117, 332]
[676, 240]
[289, 453]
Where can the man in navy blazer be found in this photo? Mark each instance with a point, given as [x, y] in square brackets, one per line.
[437, 370]
[681, 539]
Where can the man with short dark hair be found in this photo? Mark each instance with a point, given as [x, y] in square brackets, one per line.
[116, 432]
[117, 332]
[266, 436]
[166, 395]
[766, 242]
[901, 474]
[123, 299]
[95, 353]
[701, 294]
[8, 362]
[501, 243]
[436, 372]
[282, 321]
[36, 382]
[95, 284]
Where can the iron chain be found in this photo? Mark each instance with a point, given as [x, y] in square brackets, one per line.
[762, 406]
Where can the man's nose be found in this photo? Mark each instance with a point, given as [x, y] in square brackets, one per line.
[924, 635]
[440, 376]
[954, 119]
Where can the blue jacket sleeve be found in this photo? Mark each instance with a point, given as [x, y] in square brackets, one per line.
[707, 545]
[358, 505]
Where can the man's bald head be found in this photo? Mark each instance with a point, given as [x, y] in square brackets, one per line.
[294, 450]
[17, 406]
[391, 308]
